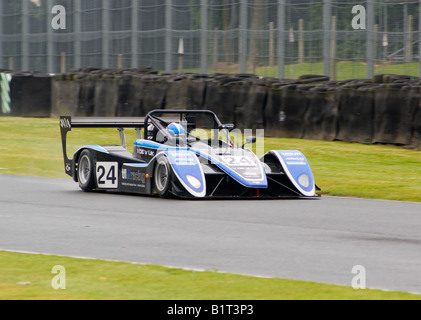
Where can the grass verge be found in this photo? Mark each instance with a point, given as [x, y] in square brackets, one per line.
[29, 277]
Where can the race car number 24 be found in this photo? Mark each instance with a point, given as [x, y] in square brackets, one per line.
[107, 175]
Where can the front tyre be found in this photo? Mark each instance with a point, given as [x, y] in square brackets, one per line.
[85, 172]
[162, 177]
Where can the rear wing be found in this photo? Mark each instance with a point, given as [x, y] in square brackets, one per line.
[68, 123]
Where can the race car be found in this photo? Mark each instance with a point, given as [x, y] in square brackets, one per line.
[184, 154]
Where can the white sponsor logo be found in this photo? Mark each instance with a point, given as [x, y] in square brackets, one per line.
[59, 21]
[237, 161]
[359, 21]
[65, 123]
[359, 281]
[59, 281]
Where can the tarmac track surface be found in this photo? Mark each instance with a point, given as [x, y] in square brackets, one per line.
[313, 240]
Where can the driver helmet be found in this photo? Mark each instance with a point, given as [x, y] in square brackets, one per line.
[176, 129]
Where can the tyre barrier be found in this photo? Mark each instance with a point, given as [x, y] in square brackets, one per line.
[382, 110]
[355, 115]
[294, 105]
[393, 116]
[218, 99]
[30, 95]
[416, 126]
[321, 117]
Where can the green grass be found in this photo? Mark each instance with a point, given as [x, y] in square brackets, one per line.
[29, 277]
[345, 70]
[32, 147]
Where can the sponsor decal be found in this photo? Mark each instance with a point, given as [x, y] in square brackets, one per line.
[132, 177]
[243, 166]
[107, 175]
[146, 152]
[128, 174]
[65, 123]
[298, 170]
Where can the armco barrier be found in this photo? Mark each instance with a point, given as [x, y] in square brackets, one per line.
[385, 109]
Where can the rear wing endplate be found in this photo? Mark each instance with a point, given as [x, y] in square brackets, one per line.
[68, 123]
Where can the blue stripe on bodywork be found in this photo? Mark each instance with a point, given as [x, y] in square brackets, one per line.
[136, 165]
[93, 147]
[247, 183]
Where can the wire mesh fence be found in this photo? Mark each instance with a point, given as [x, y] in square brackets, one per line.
[277, 38]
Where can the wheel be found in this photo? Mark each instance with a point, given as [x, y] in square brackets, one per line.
[85, 172]
[162, 177]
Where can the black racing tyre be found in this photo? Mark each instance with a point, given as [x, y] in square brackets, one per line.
[162, 177]
[85, 171]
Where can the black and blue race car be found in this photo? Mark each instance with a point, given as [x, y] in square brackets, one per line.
[186, 154]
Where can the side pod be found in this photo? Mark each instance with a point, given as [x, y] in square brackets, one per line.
[298, 170]
[188, 171]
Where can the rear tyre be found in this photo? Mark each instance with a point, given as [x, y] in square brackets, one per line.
[162, 177]
[85, 172]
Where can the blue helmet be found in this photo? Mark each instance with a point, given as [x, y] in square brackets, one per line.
[176, 129]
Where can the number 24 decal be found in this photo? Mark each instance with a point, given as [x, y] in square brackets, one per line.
[107, 175]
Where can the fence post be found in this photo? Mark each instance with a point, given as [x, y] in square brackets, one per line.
[204, 36]
[301, 41]
[271, 43]
[327, 13]
[77, 60]
[168, 35]
[105, 34]
[419, 36]
[333, 49]
[375, 39]
[25, 35]
[243, 36]
[215, 50]
[281, 39]
[63, 62]
[135, 29]
[50, 39]
[2, 58]
[409, 40]
[370, 39]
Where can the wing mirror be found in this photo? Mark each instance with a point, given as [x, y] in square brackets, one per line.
[228, 127]
[249, 140]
